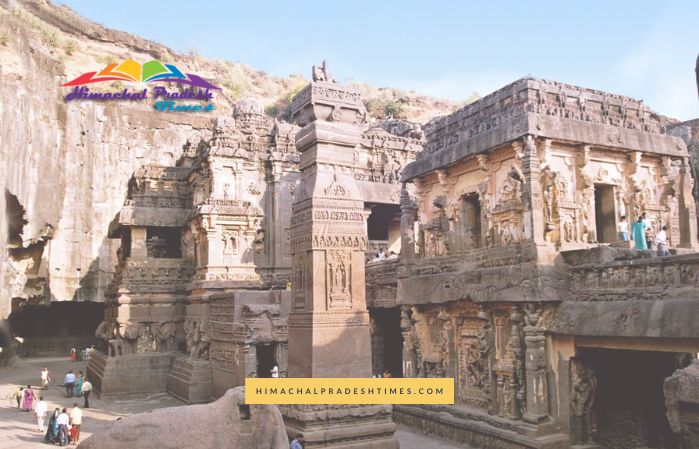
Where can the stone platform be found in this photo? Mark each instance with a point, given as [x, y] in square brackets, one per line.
[342, 426]
[130, 374]
[190, 380]
[479, 429]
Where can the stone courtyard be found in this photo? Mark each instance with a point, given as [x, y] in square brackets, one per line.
[19, 428]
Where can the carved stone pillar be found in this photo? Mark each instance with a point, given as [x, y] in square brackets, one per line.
[687, 208]
[329, 322]
[407, 226]
[537, 406]
[531, 193]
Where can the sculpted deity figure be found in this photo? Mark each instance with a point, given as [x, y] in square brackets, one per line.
[320, 73]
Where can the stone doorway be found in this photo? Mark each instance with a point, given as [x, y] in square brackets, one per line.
[628, 410]
[605, 213]
[471, 220]
[386, 342]
[265, 359]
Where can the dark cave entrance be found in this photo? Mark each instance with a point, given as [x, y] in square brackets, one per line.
[629, 405]
[386, 342]
[55, 329]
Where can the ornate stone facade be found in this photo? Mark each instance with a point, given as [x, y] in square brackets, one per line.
[512, 279]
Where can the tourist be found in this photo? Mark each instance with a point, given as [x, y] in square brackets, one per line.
[19, 394]
[623, 229]
[376, 258]
[275, 371]
[52, 430]
[69, 383]
[29, 397]
[661, 242]
[63, 422]
[638, 233]
[86, 389]
[45, 378]
[297, 443]
[79, 384]
[76, 419]
[382, 254]
[41, 409]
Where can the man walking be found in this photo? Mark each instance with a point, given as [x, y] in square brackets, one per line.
[69, 383]
[86, 389]
[63, 421]
[76, 419]
[40, 410]
[45, 379]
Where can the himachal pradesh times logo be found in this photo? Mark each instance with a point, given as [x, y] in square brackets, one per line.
[130, 71]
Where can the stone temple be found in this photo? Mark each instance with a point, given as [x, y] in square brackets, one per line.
[257, 248]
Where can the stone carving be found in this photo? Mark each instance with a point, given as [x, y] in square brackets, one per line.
[583, 387]
[320, 73]
[339, 276]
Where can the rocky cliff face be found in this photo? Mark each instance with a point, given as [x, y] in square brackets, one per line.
[64, 166]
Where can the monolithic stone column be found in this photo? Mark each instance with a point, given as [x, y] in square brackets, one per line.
[329, 322]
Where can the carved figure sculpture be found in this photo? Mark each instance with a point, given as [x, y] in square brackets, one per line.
[164, 335]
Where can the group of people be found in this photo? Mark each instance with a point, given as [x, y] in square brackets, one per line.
[642, 235]
[63, 427]
[381, 256]
[78, 386]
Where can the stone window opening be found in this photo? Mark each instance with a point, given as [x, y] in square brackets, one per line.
[383, 229]
[471, 220]
[163, 242]
[605, 213]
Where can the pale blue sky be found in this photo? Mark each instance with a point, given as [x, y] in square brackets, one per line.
[448, 49]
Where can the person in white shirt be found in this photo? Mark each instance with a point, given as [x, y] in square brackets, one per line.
[63, 422]
[661, 242]
[623, 227]
[275, 371]
[40, 410]
[76, 419]
[86, 389]
[69, 383]
[382, 254]
[45, 379]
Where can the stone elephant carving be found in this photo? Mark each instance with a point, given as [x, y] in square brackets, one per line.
[131, 336]
[164, 336]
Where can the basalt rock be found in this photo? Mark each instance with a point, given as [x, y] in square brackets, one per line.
[228, 422]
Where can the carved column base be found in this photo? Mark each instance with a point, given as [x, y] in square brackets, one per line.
[342, 426]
